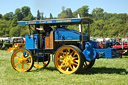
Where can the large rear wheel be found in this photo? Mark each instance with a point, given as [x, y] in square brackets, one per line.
[22, 60]
[69, 59]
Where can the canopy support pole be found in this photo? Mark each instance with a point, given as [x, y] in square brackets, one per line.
[29, 31]
[81, 35]
[89, 30]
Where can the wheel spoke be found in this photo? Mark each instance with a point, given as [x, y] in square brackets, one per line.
[17, 63]
[66, 52]
[70, 67]
[27, 63]
[28, 57]
[75, 63]
[85, 63]
[75, 58]
[62, 54]
[71, 53]
[46, 62]
[61, 65]
[60, 58]
[22, 66]
[17, 57]
[65, 68]
[75, 54]
[22, 55]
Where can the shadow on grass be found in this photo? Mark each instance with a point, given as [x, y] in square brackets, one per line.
[103, 70]
[46, 68]
[95, 70]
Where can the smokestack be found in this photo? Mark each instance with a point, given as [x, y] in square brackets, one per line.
[79, 24]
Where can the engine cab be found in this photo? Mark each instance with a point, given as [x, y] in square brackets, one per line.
[50, 35]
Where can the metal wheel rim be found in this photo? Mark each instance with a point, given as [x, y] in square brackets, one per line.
[67, 60]
[25, 61]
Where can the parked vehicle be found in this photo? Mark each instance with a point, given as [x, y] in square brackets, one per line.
[72, 50]
[122, 47]
[3, 42]
[9, 42]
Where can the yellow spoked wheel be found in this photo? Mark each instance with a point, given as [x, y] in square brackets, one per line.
[22, 60]
[88, 64]
[43, 64]
[69, 59]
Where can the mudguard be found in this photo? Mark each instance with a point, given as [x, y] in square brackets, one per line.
[89, 52]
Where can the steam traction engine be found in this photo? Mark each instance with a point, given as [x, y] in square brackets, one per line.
[73, 50]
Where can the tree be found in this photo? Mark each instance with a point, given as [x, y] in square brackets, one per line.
[14, 21]
[19, 14]
[30, 16]
[69, 13]
[41, 15]
[51, 17]
[38, 15]
[15, 31]
[8, 16]
[65, 13]
[83, 11]
[25, 10]
[97, 13]
[63, 8]
[0, 15]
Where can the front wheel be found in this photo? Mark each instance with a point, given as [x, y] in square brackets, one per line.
[69, 59]
[22, 60]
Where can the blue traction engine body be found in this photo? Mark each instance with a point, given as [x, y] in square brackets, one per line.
[72, 50]
[91, 49]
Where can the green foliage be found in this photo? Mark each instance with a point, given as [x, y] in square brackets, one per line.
[23, 29]
[105, 24]
[4, 27]
[1, 16]
[8, 16]
[65, 13]
[98, 13]
[83, 12]
[15, 31]
[28, 18]
[38, 15]
[9, 25]
[14, 22]
[51, 17]
[25, 11]
[19, 14]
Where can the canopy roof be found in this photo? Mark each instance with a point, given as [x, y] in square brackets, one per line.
[66, 21]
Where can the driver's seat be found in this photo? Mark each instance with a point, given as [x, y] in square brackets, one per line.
[49, 41]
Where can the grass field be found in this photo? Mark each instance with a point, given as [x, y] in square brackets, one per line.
[104, 72]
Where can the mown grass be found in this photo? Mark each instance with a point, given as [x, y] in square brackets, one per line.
[104, 72]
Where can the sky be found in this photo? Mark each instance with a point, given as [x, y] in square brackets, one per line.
[55, 6]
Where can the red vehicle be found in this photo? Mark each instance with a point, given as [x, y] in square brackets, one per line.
[122, 47]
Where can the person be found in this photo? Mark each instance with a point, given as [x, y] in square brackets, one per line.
[40, 29]
[47, 29]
